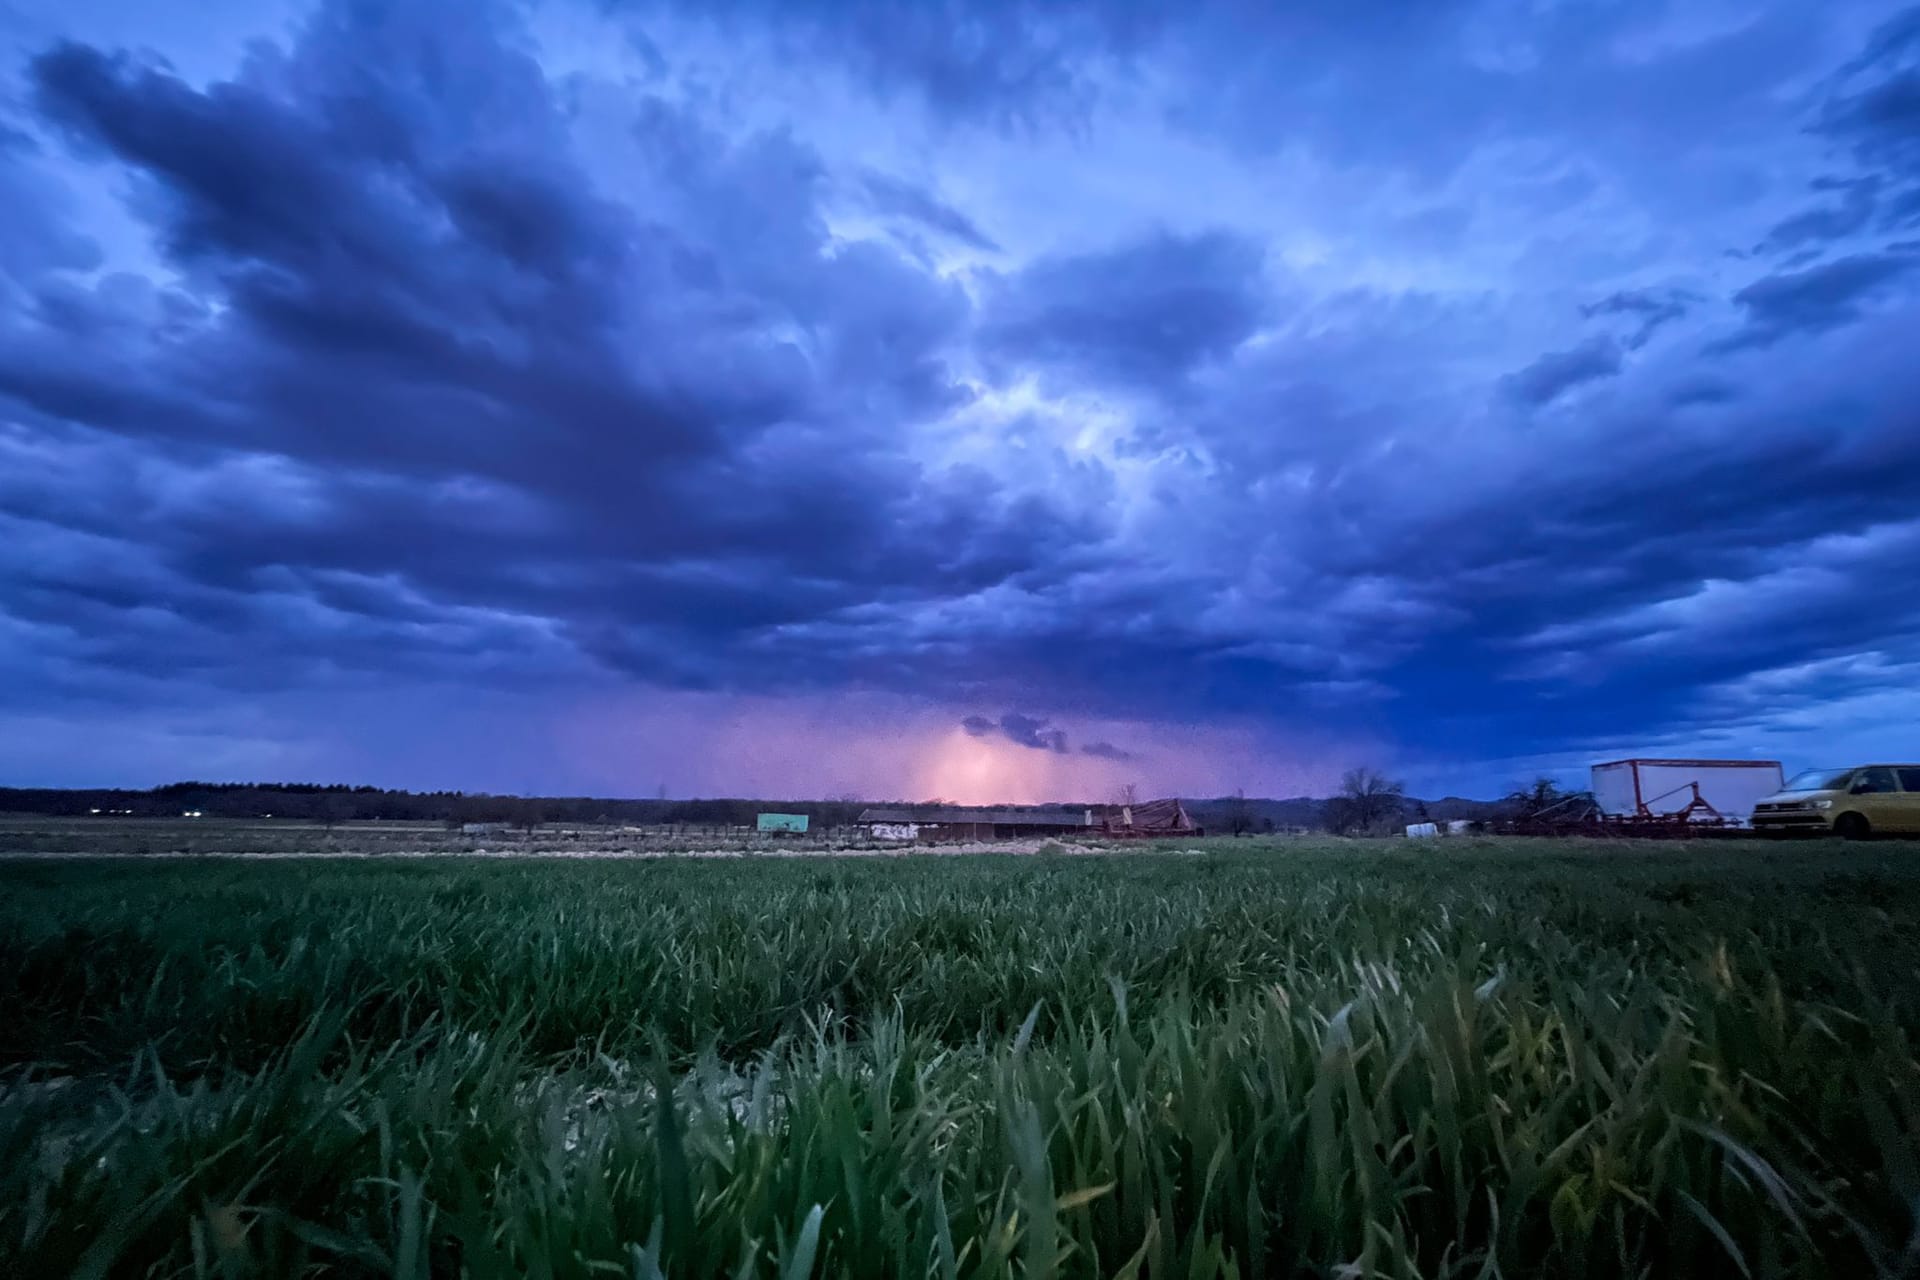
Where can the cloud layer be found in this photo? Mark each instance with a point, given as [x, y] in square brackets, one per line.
[1067, 380]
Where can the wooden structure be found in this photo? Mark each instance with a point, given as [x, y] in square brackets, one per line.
[975, 822]
[1155, 818]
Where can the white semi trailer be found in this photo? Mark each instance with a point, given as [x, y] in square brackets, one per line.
[1684, 790]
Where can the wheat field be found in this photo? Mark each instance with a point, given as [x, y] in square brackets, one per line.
[1290, 1058]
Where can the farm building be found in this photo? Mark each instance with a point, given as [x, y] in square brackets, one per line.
[966, 822]
[1154, 818]
[970, 822]
[1689, 790]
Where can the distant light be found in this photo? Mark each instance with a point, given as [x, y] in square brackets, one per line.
[93, 811]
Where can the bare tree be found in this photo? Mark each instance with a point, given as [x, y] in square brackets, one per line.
[1543, 799]
[1126, 795]
[529, 813]
[335, 808]
[1367, 799]
[1239, 813]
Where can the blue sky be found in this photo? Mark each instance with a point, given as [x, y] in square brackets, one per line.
[997, 400]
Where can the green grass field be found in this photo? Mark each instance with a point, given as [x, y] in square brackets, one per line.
[1297, 1058]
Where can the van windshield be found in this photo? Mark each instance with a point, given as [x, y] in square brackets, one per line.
[1818, 780]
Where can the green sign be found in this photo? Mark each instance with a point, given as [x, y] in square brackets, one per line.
[794, 822]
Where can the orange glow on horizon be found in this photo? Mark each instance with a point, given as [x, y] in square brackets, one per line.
[968, 770]
[883, 749]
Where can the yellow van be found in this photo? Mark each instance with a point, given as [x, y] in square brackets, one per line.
[1866, 800]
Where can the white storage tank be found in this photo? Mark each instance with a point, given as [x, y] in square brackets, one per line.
[1696, 790]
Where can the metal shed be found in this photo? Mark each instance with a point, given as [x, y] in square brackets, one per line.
[1689, 790]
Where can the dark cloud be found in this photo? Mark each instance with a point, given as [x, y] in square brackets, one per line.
[1001, 62]
[524, 410]
[1874, 103]
[899, 198]
[1026, 65]
[1105, 751]
[1871, 108]
[1859, 198]
[1818, 298]
[1145, 313]
[1558, 372]
[1021, 730]
[1703, 391]
[1015, 64]
[1903, 212]
[1027, 731]
[1650, 309]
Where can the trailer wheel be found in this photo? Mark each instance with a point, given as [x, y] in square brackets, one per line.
[1852, 826]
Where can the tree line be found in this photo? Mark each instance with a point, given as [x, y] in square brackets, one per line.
[1367, 803]
[337, 802]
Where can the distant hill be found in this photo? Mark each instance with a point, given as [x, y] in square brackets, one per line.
[1300, 812]
[1454, 809]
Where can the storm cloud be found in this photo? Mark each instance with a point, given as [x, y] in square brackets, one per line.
[1146, 311]
[1558, 372]
[1094, 360]
[1022, 731]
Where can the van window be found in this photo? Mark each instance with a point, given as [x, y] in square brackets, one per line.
[1909, 779]
[1818, 780]
[1873, 781]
